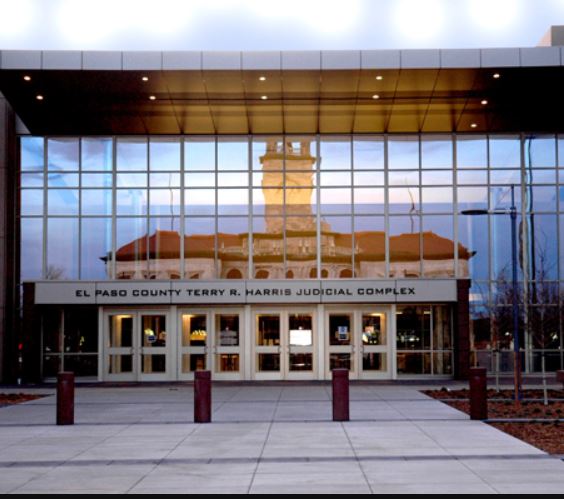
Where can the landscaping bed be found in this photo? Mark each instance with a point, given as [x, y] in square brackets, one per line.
[531, 421]
[16, 398]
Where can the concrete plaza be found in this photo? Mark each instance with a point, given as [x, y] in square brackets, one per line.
[264, 439]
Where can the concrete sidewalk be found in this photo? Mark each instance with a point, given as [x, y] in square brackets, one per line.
[265, 439]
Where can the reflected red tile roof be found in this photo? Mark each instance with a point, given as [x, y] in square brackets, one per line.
[371, 246]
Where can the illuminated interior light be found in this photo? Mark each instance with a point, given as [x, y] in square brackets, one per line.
[474, 125]
[497, 76]
[40, 97]
[264, 97]
[485, 102]
[379, 78]
[152, 97]
[145, 78]
[262, 78]
[27, 78]
[376, 97]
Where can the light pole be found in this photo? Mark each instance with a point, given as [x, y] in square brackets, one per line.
[516, 344]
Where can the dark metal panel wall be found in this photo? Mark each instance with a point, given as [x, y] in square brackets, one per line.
[7, 239]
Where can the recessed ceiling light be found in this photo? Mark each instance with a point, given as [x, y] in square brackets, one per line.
[264, 97]
[474, 125]
[39, 97]
[497, 76]
[379, 77]
[485, 102]
[376, 97]
[27, 78]
[152, 97]
[145, 78]
[262, 78]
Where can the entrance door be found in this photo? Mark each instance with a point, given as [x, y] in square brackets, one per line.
[136, 346]
[211, 340]
[358, 340]
[374, 361]
[341, 341]
[284, 345]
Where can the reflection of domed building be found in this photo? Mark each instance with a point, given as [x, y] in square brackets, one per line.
[287, 249]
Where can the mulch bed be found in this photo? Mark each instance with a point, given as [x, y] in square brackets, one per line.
[16, 398]
[544, 433]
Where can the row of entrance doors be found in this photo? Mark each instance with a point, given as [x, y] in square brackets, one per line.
[253, 344]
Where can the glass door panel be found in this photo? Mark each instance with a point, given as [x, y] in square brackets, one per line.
[120, 365]
[374, 344]
[153, 341]
[227, 349]
[341, 341]
[300, 345]
[268, 346]
[195, 342]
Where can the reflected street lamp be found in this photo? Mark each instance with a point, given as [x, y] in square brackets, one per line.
[516, 346]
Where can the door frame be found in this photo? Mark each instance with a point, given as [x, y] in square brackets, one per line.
[284, 349]
[136, 350]
[211, 348]
[357, 347]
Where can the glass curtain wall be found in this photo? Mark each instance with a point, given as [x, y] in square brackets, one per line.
[291, 207]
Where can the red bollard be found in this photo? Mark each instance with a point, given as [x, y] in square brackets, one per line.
[478, 394]
[65, 399]
[202, 397]
[341, 396]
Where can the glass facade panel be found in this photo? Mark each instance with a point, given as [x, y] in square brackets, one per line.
[32, 154]
[505, 152]
[62, 202]
[369, 153]
[31, 249]
[96, 248]
[132, 154]
[437, 152]
[368, 201]
[62, 155]
[131, 257]
[199, 154]
[32, 202]
[62, 249]
[403, 153]
[540, 151]
[165, 202]
[233, 155]
[165, 154]
[472, 151]
[336, 154]
[97, 202]
[97, 155]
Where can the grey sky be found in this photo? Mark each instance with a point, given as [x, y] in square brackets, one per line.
[274, 24]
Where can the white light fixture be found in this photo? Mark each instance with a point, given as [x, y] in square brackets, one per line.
[379, 77]
[496, 76]
[145, 78]
[40, 97]
[264, 97]
[376, 97]
[485, 102]
[152, 97]
[262, 78]
[27, 78]
[474, 125]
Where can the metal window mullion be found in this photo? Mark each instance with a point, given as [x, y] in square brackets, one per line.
[45, 260]
[456, 209]
[80, 208]
[284, 209]
[113, 270]
[148, 214]
[387, 256]
[421, 226]
[216, 209]
[353, 210]
[250, 241]
[318, 192]
[182, 229]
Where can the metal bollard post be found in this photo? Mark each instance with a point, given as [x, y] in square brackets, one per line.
[65, 399]
[202, 397]
[478, 394]
[341, 395]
